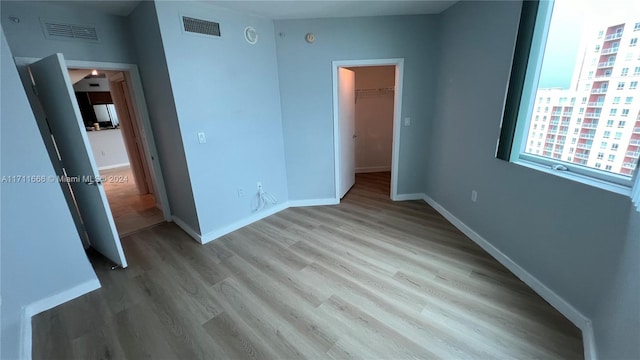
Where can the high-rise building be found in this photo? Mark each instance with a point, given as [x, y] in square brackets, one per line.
[596, 122]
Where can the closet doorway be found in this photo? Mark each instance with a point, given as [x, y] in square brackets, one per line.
[367, 109]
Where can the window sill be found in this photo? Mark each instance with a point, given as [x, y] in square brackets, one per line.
[583, 179]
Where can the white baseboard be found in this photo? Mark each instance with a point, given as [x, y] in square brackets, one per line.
[407, 197]
[113, 166]
[571, 313]
[186, 228]
[589, 341]
[313, 202]
[45, 304]
[372, 169]
[242, 223]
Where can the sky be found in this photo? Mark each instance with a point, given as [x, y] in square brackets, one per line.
[570, 19]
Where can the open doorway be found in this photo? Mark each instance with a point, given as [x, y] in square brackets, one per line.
[113, 131]
[64, 132]
[367, 109]
[374, 109]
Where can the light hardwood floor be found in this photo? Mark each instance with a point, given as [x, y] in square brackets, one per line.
[131, 211]
[369, 278]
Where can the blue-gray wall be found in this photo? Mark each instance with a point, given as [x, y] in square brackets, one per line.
[228, 89]
[26, 38]
[306, 90]
[150, 58]
[568, 235]
[617, 322]
[42, 254]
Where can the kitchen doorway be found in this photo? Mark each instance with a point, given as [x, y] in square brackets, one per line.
[113, 129]
[129, 78]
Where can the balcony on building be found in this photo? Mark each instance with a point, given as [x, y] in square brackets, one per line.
[633, 154]
[629, 165]
[614, 36]
[611, 50]
[598, 90]
[592, 115]
[595, 104]
[606, 64]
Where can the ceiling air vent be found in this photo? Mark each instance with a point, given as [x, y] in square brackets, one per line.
[54, 29]
[199, 26]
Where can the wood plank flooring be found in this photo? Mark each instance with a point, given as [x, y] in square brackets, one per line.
[131, 211]
[367, 279]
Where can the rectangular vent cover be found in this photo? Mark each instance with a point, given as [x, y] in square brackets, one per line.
[199, 26]
[59, 30]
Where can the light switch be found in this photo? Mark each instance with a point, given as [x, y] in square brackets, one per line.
[202, 138]
[407, 121]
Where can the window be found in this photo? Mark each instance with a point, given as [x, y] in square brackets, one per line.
[628, 100]
[628, 56]
[614, 147]
[603, 145]
[633, 42]
[600, 156]
[636, 70]
[618, 135]
[532, 76]
[598, 165]
[608, 167]
[600, 34]
[606, 135]
[597, 48]
[636, 27]
[625, 72]
[611, 157]
[613, 112]
[616, 100]
[625, 112]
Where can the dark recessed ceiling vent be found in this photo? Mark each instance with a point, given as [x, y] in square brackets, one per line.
[54, 29]
[199, 26]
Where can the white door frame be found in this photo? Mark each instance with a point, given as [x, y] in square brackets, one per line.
[136, 91]
[397, 114]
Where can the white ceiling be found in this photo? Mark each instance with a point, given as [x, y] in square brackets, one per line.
[305, 9]
[297, 9]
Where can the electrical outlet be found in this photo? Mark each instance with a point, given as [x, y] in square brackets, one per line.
[240, 192]
[474, 196]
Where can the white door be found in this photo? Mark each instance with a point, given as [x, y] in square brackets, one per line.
[347, 128]
[63, 115]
